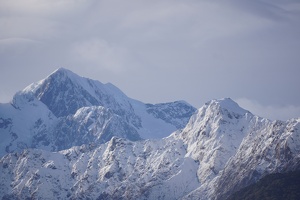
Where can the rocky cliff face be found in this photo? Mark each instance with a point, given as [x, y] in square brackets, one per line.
[222, 149]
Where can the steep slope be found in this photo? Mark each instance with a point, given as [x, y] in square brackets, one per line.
[236, 148]
[64, 92]
[214, 134]
[21, 121]
[275, 186]
[94, 124]
[67, 107]
[275, 148]
[222, 149]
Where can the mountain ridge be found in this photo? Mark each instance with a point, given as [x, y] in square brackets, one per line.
[185, 165]
[62, 94]
[88, 154]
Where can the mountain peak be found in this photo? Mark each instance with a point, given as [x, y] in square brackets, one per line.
[63, 92]
[226, 104]
[63, 73]
[61, 69]
[218, 111]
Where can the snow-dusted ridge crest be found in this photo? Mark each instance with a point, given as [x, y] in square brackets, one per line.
[84, 140]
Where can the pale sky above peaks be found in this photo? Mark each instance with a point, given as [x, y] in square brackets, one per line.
[159, 51]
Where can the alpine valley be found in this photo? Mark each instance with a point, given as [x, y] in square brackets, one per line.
[69, 137]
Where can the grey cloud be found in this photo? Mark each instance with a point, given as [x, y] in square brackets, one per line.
[158, 51]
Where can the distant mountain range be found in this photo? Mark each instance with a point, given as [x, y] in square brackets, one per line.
[69, 137]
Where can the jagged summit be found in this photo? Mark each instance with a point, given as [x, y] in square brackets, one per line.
[63, 74]
[60, 73]
[63, 70]
[226, 104]
[229, 104]
[219, 111]
[84, 82]
[64, 92]
[71, 79]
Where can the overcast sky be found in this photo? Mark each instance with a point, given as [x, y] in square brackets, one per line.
[160, 50]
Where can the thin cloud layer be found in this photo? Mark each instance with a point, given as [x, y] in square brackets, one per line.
[273, 112]
[157, 51]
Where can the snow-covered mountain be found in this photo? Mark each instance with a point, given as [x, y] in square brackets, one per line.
[65, 109]
[222, 149]
[235, 148]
